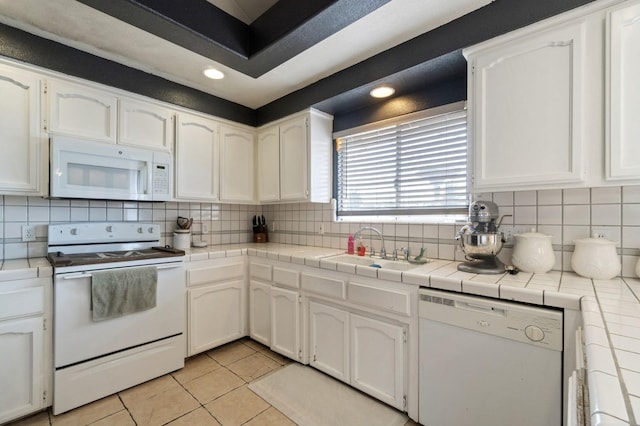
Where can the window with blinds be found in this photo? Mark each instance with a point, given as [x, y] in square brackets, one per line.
[414, 165]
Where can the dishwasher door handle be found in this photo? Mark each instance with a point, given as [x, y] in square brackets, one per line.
[480, 308]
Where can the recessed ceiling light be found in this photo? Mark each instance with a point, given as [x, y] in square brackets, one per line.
[213, 73]
[382, 91]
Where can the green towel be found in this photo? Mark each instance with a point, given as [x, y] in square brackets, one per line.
[119, 292]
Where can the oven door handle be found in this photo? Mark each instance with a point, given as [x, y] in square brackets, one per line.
[176, 265]
[75, 277]
[161, 267]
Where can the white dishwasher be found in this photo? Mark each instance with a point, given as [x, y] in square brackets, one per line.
[488, 362]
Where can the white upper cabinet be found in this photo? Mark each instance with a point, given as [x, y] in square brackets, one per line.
[145, 125]
[623, 93]
[554, 104]
[295, 159]
[269, 164]
[23, 164]
[196, 157]
[526, 122]
[236, 165]
[77, 110]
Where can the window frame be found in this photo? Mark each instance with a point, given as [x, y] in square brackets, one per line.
[443, 214]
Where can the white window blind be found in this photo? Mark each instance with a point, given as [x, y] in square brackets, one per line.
[417, 166]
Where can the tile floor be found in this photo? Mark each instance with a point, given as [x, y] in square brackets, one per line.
[212, 389]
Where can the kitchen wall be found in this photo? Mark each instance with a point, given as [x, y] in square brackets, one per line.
[566, 215]
[214, 223]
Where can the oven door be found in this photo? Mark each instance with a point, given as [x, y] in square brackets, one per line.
[77, 338]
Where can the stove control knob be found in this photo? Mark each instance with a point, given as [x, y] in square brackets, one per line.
[73, 231]
[151, 230]
[140, 230]
[109, 228]
[534, 333]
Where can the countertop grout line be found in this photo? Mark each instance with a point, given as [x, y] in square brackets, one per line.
[623, 385]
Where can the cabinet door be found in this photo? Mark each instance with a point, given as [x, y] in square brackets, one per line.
[623, 93]
[81, 111]
[196, 158]
[294, 183]
[260, 312]
[216, 315]
[21, 368]
[236, 165]
[377, 359]
[145, 125]
[23, 164]
[269, 165]
[329, 340]
[285, 322]
[526, 110]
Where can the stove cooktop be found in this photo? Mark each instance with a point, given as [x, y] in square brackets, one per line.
[59, 259]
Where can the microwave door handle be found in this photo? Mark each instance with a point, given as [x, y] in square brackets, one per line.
[146, 182]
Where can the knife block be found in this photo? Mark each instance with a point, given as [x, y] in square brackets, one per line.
[262, 236]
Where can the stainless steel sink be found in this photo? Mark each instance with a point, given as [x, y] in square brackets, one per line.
[373, 262]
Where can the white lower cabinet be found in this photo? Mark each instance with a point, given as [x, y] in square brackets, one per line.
[353, 331]
[260, 312]
[25, 347]
[285, 322]
[377, 359]
[329, 340]
[367, 353]
[21, 353]
[216, 303]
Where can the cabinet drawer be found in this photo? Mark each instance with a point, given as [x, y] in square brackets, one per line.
[397, 301]
[260, 271]
[214, 273]
[286, 277]
[324, 286]
[21, 302]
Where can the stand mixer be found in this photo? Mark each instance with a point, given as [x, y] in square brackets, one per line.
[481, 241]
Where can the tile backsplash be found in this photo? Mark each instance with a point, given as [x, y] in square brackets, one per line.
[613, 212]
[213, 223]
[566, 215]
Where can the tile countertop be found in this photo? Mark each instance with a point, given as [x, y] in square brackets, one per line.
[610, 312]
[610, 309]
[23, 269]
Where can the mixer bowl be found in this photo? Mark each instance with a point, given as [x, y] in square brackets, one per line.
[478, 245]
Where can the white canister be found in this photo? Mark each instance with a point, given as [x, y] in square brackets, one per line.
[533, 252]
[595, 258]
[182, 239]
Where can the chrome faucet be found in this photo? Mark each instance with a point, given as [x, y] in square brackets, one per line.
[404, 251]
[383, 251]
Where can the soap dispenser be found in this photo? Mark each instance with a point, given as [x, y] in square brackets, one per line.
[350, 245]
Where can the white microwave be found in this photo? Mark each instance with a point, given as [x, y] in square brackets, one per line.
[97, 170]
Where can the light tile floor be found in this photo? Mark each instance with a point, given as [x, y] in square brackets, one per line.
[210, 390]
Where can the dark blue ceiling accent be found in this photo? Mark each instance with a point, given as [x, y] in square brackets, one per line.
[25, 47]
[426, 71]
[288, 28]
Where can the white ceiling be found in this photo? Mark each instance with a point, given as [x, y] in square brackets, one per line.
[77, 25]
